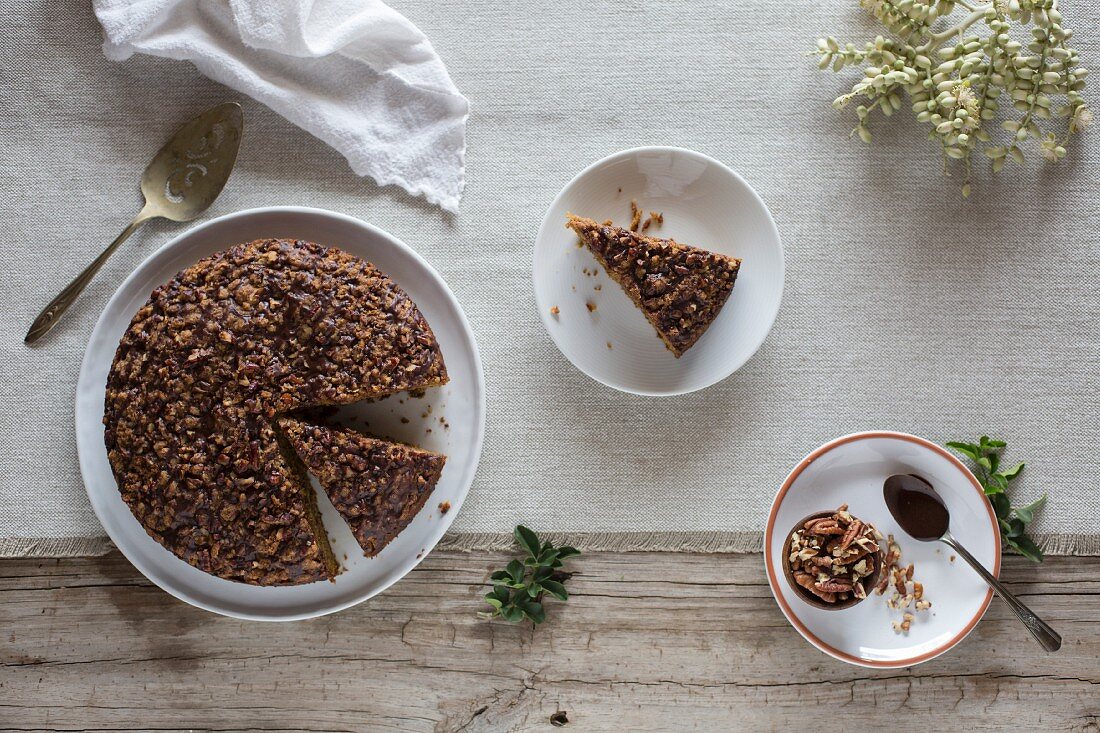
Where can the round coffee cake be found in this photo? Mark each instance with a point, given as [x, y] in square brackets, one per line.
[208, 365]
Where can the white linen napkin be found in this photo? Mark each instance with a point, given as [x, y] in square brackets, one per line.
[355, 73]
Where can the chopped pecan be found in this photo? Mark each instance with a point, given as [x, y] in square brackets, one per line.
[833, 585]
[851, 534]
[899, 582]
[848, 559]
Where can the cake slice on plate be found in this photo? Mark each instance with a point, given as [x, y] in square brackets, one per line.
[680, 289]
[376, 485]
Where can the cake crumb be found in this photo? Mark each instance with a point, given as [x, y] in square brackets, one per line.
[554, 310]
[609, 344]
[951, 559]
[590, 306]
[598, 288]
[655, 217]
[405, 421]
[635, 216]
[444, 507]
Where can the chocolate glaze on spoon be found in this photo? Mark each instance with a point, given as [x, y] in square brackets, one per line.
[916, 506]
[921, 512]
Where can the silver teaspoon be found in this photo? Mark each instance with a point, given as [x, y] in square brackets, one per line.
[182, 180]
[922, 514]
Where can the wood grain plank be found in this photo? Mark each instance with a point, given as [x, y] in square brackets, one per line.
[648, 642]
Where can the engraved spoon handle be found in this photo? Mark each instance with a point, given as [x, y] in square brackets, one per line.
[1047, 637]
[49, 316]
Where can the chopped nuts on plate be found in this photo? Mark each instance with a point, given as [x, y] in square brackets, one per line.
[908, 593]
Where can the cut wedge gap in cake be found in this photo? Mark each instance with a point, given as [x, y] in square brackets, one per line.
[680, 289]
[377, 486]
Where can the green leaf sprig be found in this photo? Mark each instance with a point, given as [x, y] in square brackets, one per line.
[986, 457]
[518, 590]
[957, 72]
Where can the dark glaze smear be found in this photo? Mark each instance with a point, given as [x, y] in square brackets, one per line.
[916, 506]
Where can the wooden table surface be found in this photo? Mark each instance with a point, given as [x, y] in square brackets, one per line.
[648, 642]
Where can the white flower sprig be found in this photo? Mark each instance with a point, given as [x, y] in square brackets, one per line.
[955, 78]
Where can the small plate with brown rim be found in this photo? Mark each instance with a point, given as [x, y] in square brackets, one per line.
[851, 470]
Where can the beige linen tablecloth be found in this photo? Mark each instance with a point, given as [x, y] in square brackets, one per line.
[906, 307]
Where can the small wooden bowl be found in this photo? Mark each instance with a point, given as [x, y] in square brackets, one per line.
[869, 582]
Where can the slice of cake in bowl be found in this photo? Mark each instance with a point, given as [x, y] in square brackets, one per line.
[680, 289]
[378, 486]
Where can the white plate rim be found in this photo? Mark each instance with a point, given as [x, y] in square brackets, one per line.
[772, 573]
[83, 450]
[544, 314]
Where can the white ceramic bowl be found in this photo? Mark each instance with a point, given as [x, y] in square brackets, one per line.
[706, 205]
[461, 403]
[852, 470]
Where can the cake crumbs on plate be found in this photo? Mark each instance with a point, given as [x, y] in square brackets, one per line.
[554, 310]
[608, 344]
[590, 305]
[405, 421]
[444, 507]
[655, 217]
[597, 287]
[635, 216]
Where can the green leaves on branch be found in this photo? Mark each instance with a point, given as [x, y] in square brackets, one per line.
[986, 457]
[958, 73]
[519, 589]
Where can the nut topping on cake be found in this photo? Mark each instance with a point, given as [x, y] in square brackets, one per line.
[213, 359]
[680, 289]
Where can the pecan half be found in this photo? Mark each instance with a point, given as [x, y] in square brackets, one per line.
[850, 536]
[834, 585]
